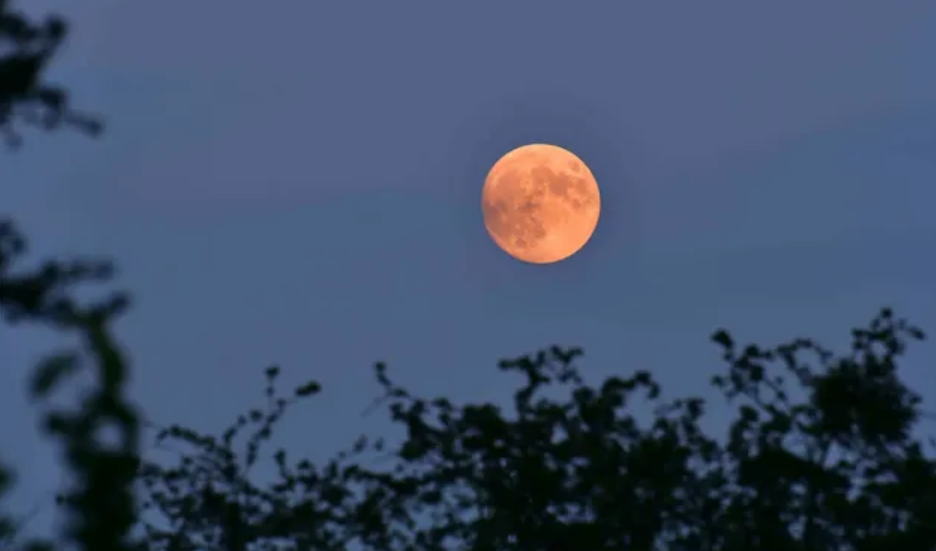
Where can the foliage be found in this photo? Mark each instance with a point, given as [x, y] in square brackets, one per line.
[836, 469]
[100, 502]
[25, 97]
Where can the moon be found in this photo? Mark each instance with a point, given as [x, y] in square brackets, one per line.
[540, 203]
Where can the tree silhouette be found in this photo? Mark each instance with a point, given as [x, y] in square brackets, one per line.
[820, 456]
[25, 96]
[100, 503]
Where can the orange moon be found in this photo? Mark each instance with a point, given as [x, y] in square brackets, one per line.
[541, 203]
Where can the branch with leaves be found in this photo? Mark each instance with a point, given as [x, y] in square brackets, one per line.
[101, 507]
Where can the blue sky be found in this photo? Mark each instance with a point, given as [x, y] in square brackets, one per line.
[302, 187]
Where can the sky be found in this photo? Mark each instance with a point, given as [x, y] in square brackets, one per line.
[301, 186]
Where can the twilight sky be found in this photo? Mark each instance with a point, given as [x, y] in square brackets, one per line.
[301, 185]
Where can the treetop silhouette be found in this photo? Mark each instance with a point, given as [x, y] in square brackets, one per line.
[837, 469]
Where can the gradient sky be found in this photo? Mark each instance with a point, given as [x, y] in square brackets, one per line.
[301, 186]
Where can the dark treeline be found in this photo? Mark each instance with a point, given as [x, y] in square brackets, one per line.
[821, 454]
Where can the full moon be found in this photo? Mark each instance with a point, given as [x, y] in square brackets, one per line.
[540, 203]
